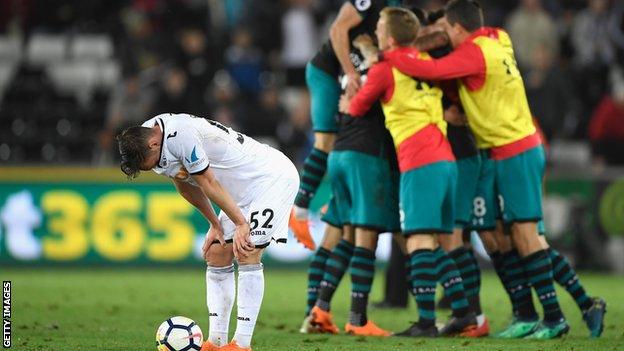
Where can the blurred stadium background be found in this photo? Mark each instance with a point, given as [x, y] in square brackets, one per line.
[73, 73]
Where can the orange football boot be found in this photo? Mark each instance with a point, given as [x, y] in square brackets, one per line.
[323, 321]
[301, 230]
[479, 331]
[233, 346]
[369, 329]
[208, 346]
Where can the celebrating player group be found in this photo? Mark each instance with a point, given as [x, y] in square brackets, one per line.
[459, 152]
[424, 132]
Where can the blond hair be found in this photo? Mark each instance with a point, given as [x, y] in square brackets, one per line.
[402, 24]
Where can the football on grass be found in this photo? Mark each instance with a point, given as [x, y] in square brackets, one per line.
[179, 334]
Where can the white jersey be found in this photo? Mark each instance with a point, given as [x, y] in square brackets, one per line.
[192, 144]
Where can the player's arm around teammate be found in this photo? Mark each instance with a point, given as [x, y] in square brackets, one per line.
[348, 17]
[413, 115]
[322, 81]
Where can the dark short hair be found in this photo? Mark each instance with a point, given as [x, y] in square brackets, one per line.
[134, 149]
[414, 6]
[467, 13]
[434, 16]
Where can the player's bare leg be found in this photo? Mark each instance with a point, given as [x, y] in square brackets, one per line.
[313, 172]
[317, 270]
[362, 274]
[451, 242]
[220, 294]
[337, 265]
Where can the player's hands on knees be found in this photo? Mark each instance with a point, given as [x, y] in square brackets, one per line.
[214, 233]
[242, 245]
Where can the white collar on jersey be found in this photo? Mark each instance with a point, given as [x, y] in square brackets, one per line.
[162, 161]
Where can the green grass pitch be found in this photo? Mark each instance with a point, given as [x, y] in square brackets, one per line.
[120, 309]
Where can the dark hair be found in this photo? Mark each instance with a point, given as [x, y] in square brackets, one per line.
[435, 16]
[134, 149]
[467, 13]
[413, 5]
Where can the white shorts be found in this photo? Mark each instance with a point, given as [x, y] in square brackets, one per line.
[269, 211]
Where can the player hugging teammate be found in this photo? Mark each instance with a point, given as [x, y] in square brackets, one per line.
[500, 183]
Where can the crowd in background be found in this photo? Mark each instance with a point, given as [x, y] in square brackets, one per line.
[242, 62]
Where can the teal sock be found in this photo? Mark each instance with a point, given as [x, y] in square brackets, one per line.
[539, 271]
[424, 279]
[471, 275]
[564, 274]
[517, 286]
[472, 283]
[335, 268]
[362, 273]
[450, 278]
[315, 275]
[314, 168]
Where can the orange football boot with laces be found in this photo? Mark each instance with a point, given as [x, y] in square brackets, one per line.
[301, 231]
[323, 321]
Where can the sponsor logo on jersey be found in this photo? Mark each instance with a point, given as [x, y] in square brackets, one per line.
[246, 319]
[172, 135]
[194, 157]
[213, 314]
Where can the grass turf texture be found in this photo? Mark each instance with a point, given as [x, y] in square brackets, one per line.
[115, 309]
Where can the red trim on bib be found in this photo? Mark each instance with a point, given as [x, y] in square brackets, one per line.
[516, 147]
[426, 146]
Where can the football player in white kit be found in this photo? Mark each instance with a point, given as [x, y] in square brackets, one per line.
[253, 184]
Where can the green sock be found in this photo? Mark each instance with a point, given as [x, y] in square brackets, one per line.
[335, 268]
[450, 278]
[315, 275]
[518, 287]
[423, 282]
[314, 168]
[362, 273]
[539, 272]
[564, 274]
[471, 275]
